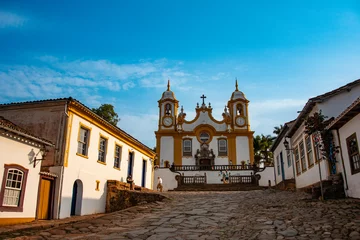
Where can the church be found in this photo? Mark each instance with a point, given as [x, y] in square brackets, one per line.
[204, 140]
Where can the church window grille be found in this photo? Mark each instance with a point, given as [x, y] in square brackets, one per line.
[297, 161]
[187, 147]
[83, 141]
[288, 157]
[204, 137]
[278, 164]
[222, 147]
[309, 151]
[117, 156]
[302, 156]
[102, 149]
[13, 188]
[354, 155]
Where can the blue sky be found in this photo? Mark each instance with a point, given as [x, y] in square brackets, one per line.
[123, 52]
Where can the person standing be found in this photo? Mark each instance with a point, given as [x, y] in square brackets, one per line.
[159, 185]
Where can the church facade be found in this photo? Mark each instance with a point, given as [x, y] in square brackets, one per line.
[204, 140]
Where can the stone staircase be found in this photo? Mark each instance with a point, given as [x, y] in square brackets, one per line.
[218, 187]
[287, 184]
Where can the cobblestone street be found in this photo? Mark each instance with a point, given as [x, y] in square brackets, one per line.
[262, 214]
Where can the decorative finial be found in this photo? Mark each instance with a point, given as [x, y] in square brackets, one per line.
[182, 109]
[225, 109]
[168, 86]
[197, 105]
[236, 85]
[209, 105]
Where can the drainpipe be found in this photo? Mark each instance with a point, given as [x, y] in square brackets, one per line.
[342, 161]
[62, 165]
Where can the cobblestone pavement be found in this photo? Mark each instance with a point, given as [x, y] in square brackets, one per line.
[262, 214]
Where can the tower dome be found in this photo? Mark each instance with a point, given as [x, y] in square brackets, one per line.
[237, 94]
[168, 94]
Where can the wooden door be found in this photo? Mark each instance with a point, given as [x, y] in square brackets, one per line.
[44, 199]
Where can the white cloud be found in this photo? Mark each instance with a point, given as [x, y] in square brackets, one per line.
[272, 105]
[8, 19]
[128, 85]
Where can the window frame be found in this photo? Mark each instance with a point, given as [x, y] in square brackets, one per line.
[278, 163]
[117, 157]
[87, 143]
[302, 156]
[20, 206]
[288, 158]
[222, 153]
[297, 161]
[100, 150]
[187, 153]
[353, 154]
[309, 151]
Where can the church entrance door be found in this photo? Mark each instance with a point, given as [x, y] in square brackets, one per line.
[205, 162]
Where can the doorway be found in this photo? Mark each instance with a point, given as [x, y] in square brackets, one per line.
[131, 163]
[282, 166]
[143, 181]
[76, 200]
[45, 198]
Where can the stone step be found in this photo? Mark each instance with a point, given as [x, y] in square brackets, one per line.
[218, 187]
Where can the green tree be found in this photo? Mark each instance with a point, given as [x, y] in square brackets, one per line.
[262, 144]
[107, 112]
[277, 130]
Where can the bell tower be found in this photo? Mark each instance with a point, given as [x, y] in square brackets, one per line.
[238, 108]
[168, 108]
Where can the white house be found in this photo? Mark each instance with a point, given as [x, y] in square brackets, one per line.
[21, 152]
[283, 161]
[306, 155]
[89, 151]
[347, 128]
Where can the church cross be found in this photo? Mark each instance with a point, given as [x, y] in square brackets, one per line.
[203, 98]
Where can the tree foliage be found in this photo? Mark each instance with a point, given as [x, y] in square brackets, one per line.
[262, 144]
[107, 112]
[278, 129]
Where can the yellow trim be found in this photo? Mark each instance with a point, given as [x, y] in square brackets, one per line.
[251, 149]
[117, 168]
[158, 146]
[10, 221]
[103, 163]
[86, 115]
[172, 121]
[68, 137]
[97, 185]
[103, 136]
[81, 125]
[209, 110]
[79, 154]
[240, 116]
[106, 146]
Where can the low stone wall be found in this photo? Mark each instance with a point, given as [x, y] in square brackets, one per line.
[119, 196]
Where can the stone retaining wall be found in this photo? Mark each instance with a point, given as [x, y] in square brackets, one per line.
[119, 196]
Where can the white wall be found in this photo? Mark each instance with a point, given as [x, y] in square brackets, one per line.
[166, 150]
[88, 170]
[14, 152]
[288, 169]
[168, 178]
[353, 179]
[242, 149]
[266, 175]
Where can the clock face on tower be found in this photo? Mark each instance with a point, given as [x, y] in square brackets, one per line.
[167, 121]
[240, 121]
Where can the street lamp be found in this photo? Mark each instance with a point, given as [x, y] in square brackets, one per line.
[286, 144]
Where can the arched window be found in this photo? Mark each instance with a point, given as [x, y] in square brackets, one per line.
[13, 188]
[222, 146]
[187, 147]
[168, 109]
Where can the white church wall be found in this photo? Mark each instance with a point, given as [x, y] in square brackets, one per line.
[88, 170]
[346, 131]
[204, 118]
[166, 150]
[242, 149]
[168, 178]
